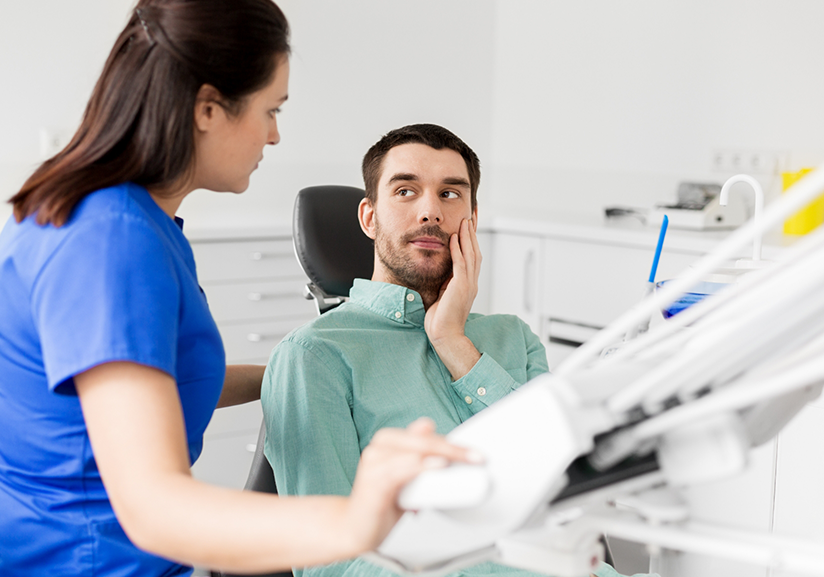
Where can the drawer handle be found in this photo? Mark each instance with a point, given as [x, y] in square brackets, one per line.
[257, 255]
[528, 270]
[261, 296]
[258, 338]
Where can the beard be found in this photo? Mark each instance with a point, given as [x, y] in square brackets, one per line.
[427, 275]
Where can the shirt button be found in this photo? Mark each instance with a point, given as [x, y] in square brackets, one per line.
[481, 391]
[468, 400]
[410, 297]
[398, 315]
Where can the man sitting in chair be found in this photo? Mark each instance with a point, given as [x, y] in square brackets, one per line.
[405, 345]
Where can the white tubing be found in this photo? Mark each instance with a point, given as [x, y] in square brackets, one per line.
[759, 206]
[744, 394]
[799, 195]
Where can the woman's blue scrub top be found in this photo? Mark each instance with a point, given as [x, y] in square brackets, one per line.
[115, 283]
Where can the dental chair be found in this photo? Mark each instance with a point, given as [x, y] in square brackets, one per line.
[329, 243]
[333, 251]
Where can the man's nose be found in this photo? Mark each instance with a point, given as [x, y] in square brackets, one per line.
[430, 210]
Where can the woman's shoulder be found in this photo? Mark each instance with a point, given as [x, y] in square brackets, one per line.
[126, 201]
[118, 223]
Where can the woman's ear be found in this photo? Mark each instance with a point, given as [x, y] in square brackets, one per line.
[207, 107]
[366, 217]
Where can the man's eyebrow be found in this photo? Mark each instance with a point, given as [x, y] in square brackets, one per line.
[456, 181]
[403, 176]
[410, 177]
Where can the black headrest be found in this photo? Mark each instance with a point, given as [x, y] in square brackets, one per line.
[329, 243]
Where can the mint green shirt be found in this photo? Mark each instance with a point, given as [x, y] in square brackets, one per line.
[331, 384]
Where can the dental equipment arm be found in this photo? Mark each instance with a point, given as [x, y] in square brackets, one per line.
[680, 405]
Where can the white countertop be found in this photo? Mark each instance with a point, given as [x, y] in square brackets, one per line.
[217, 234]
[595, 228]
[622, 231]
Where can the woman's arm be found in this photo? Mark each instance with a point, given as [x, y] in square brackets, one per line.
[136, 429]
[241, 385]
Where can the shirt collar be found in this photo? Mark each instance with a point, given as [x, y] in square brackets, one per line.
[395, 302]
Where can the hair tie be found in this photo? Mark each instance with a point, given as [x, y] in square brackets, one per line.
[143, 23]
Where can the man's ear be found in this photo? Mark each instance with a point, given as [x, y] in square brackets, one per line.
[207, 107]
[366, 217]
[475, 218]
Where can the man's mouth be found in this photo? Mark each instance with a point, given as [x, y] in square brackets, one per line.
[428, 238]
[427, 242]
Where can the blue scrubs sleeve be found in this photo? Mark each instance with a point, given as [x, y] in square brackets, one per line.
[109, 293]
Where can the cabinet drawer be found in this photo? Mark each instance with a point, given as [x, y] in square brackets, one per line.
[252, 342]
[515, 284]
[593, 283]
[233, 420]
[226, 461]
[259, 300]
[245, 260]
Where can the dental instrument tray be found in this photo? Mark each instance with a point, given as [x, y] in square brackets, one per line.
[698, 208]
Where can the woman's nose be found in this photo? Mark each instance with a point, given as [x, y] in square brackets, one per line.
[274, 135]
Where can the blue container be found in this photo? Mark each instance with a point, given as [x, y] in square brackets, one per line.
[698, 293]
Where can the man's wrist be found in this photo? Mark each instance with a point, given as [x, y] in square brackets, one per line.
[457, 353]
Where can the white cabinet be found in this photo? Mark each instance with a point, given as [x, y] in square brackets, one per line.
[254, 286]
[515, 283]
[586, 285]
[799, 499]
[595, 282]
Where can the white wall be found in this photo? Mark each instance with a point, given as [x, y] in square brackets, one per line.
[570, 105]
[601, 102]
[359, 69]
[51, 53]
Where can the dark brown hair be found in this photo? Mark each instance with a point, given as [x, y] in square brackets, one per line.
[431, 135]
[139, 123]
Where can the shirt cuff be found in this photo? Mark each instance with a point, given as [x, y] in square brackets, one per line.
[486, 383]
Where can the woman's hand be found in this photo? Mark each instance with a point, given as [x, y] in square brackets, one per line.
[392, 459]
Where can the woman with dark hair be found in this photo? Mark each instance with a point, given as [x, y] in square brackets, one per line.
[110, 362]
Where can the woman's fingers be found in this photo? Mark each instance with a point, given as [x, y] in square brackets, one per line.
[420, 439]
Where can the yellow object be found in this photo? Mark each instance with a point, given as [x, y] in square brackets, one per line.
[809, 217]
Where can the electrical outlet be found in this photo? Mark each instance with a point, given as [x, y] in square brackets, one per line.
[748, 161]
[53, 141]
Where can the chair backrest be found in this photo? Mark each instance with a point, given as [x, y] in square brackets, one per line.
[333, 251]
[329, 243]
[261, 477]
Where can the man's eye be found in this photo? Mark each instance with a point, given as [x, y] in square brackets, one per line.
[405, 192]
[450, 194]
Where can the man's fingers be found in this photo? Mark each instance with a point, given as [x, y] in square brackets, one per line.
[473, 234]
[469, 248]
[458, 261]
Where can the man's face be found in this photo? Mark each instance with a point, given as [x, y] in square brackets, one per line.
[423, 195]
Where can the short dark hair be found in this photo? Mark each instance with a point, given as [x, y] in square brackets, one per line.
[431, 135]
[139, 123]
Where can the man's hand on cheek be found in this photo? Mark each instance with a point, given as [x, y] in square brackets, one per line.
[446, 318]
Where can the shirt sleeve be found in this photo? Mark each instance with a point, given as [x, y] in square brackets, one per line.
[108, 293]
[311, 439]
[488, 381]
